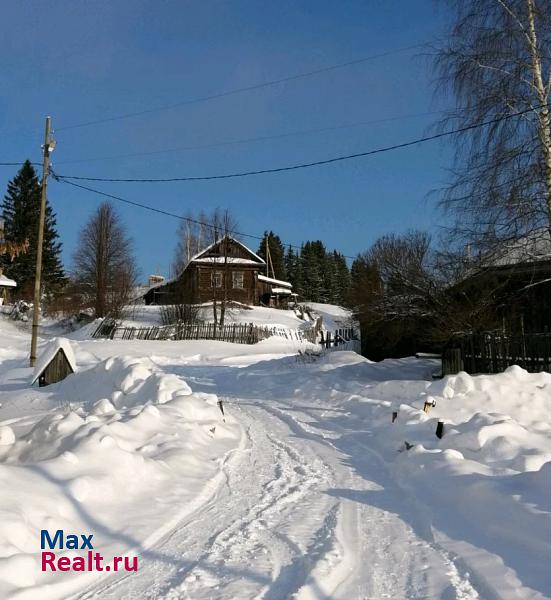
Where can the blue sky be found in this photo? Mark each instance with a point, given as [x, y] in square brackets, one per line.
[82, 61]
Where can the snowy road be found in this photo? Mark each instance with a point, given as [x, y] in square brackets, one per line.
[305, 509]
[305, 492]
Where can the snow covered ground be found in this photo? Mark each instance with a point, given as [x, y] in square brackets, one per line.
[334, 317]
[139, 315]
[307, 490]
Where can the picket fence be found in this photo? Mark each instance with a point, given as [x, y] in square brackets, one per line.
[238, 333]
[493, 352]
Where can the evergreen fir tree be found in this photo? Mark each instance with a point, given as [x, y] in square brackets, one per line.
[341, 279]
[277, 254]
[294, 271]
[290, 265]
[318, 275]
[21, 213]
[312, 262]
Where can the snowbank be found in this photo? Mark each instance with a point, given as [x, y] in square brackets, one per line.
[127, 452]
[486, 485]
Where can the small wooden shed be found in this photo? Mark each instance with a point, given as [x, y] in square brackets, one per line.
[55, 363]
[6, 285]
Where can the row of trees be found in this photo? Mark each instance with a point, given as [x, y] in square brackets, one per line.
[104, 271]
[397, 287]
[317, 275]
[20, 215]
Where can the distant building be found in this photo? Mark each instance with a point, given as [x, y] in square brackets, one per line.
[518, 276]
[226, 268]
[155, 280]
[6, 285]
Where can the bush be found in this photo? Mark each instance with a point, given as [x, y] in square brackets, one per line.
[179, 313]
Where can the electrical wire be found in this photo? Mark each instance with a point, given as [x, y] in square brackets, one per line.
[242, 89]
[166, 212]
[250, 140]
[307, 165]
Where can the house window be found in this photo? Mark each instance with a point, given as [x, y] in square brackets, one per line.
[237, 277]
[217, 279]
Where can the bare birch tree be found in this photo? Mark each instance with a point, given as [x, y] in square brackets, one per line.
[196, 233]
[193, 236]
[223, 227]
[104, 266]
[497, 62]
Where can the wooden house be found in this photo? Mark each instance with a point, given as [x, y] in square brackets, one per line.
[225, 270]
[516, 281]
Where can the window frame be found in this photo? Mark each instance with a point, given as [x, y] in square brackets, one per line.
[238, 276]
[216, 279]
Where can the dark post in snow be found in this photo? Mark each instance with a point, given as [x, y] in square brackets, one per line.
[394, 416]
[440, 430]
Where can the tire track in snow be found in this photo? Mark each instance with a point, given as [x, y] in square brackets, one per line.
[241, 540]
[292, 519]
[387, 582]
[264, 536]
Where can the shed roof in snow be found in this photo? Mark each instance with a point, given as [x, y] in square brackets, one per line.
[5, 282]
[277, 282]
[50, 350]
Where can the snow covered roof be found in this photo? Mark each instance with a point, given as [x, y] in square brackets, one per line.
[531, 248]
[5, 282]
[277, 282]
[256, 258]
[280, 290]
[229, 259]
[526, 250]
[50, 350]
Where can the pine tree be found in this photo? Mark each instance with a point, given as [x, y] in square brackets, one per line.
[312, 261]
[318, 275]
[341, 279]
[290, 265]
[21, 213]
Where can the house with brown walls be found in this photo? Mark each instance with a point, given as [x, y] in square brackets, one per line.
[225, 270]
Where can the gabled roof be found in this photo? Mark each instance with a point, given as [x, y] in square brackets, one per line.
[50, 350]
[201, 259]
[199, 255]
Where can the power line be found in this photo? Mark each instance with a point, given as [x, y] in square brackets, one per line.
[306, 165]
[18, 164]
[164, 212]
[243, 89]
[255, 139]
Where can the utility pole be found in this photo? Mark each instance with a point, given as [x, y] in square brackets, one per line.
[48, 147]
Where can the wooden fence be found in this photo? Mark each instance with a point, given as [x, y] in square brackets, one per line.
[238, 333]
[341, 339]
[494, 352]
